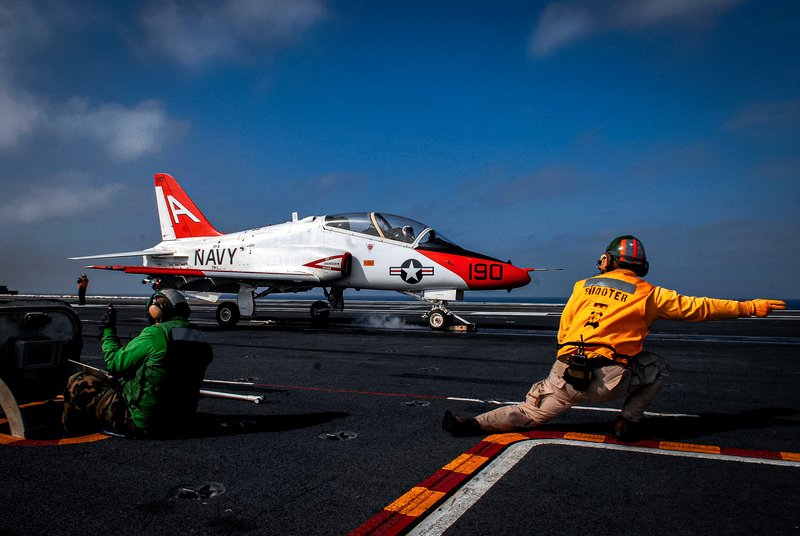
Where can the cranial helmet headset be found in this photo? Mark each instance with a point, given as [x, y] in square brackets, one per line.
[166, 304]
[628, 252]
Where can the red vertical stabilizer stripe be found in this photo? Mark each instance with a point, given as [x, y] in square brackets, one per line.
[187, 220]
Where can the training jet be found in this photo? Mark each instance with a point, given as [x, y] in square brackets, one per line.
[361, 250]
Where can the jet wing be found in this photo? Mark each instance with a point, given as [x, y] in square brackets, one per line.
[152, 252]
[216, 275]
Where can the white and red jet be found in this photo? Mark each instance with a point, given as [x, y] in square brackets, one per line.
[365, 250]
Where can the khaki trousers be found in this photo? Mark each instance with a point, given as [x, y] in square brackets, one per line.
[639, 383]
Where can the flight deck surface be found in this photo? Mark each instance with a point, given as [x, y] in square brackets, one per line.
[348, 436]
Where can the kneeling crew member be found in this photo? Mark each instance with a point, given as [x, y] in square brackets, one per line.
[600, 338]
[155, 379]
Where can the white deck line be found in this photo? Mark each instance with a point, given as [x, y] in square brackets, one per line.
[441, 519]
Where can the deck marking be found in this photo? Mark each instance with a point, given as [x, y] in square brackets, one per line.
[7, 439]
[431, 507]
[420, 396]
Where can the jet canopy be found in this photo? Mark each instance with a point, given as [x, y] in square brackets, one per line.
[391, 227]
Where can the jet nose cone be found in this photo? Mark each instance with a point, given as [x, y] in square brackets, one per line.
[517, 277]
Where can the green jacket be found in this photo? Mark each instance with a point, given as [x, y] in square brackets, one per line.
[148, 384]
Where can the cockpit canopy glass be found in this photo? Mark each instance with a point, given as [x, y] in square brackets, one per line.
[391, 227]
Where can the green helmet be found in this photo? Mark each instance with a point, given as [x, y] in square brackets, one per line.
[629, 253]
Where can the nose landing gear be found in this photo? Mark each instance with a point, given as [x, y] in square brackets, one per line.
[440, 318]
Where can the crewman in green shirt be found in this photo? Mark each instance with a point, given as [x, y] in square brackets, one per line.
[154, 380]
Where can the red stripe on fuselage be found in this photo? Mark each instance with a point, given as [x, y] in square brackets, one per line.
[152, 270]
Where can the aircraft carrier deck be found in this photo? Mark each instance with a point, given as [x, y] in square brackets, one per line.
[347, 438]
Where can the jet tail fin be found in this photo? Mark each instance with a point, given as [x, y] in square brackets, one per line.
[177, 213]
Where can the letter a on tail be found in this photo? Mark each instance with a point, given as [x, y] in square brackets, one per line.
[177, 213]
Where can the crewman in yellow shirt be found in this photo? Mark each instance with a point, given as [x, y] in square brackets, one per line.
[600, 356]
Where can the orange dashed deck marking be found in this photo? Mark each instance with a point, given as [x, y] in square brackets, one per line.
[415, 502]
[505, 439]
[12, 441]
[592, 438]
[689, 447]
[82, 439]
[406, 512]
[466, 463]
[6, 439]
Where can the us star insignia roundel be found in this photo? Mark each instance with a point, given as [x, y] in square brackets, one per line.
[411, 271]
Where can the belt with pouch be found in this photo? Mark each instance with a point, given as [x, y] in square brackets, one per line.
[580, 367]
[588, 361]
[596, 362]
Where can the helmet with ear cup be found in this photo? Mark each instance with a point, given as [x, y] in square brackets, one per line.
[628, 252]
[166, 304]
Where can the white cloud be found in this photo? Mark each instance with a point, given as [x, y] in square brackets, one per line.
[195, 33]
[42, 203]
[542, 186]
[124, 133]
[767, 116]
[565, 22]
[24, 25]
[23, 28]
[21, 115]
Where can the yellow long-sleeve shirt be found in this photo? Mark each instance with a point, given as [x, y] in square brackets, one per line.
[617, 308]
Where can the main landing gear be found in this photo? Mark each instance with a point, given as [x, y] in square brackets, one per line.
[439, 318]
[320, 310]
[228, 314]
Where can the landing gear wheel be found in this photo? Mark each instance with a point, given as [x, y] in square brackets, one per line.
[438, 319]
[227, 314]
[320, 311]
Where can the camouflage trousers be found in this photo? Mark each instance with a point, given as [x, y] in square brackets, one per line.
[92, 403]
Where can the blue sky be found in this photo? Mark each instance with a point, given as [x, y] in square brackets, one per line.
[530, 131]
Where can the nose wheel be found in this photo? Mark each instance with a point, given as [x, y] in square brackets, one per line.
[439, 319]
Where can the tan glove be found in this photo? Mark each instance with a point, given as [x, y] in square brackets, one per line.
[762, 308]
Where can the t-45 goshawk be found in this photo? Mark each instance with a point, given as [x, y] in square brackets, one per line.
[363, 250]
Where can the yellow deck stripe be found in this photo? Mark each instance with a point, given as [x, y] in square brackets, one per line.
[415, 502]
[83, 439]
[594, 438]
[466, 463]
[505, 439]
[689, 447]
[6, 439]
